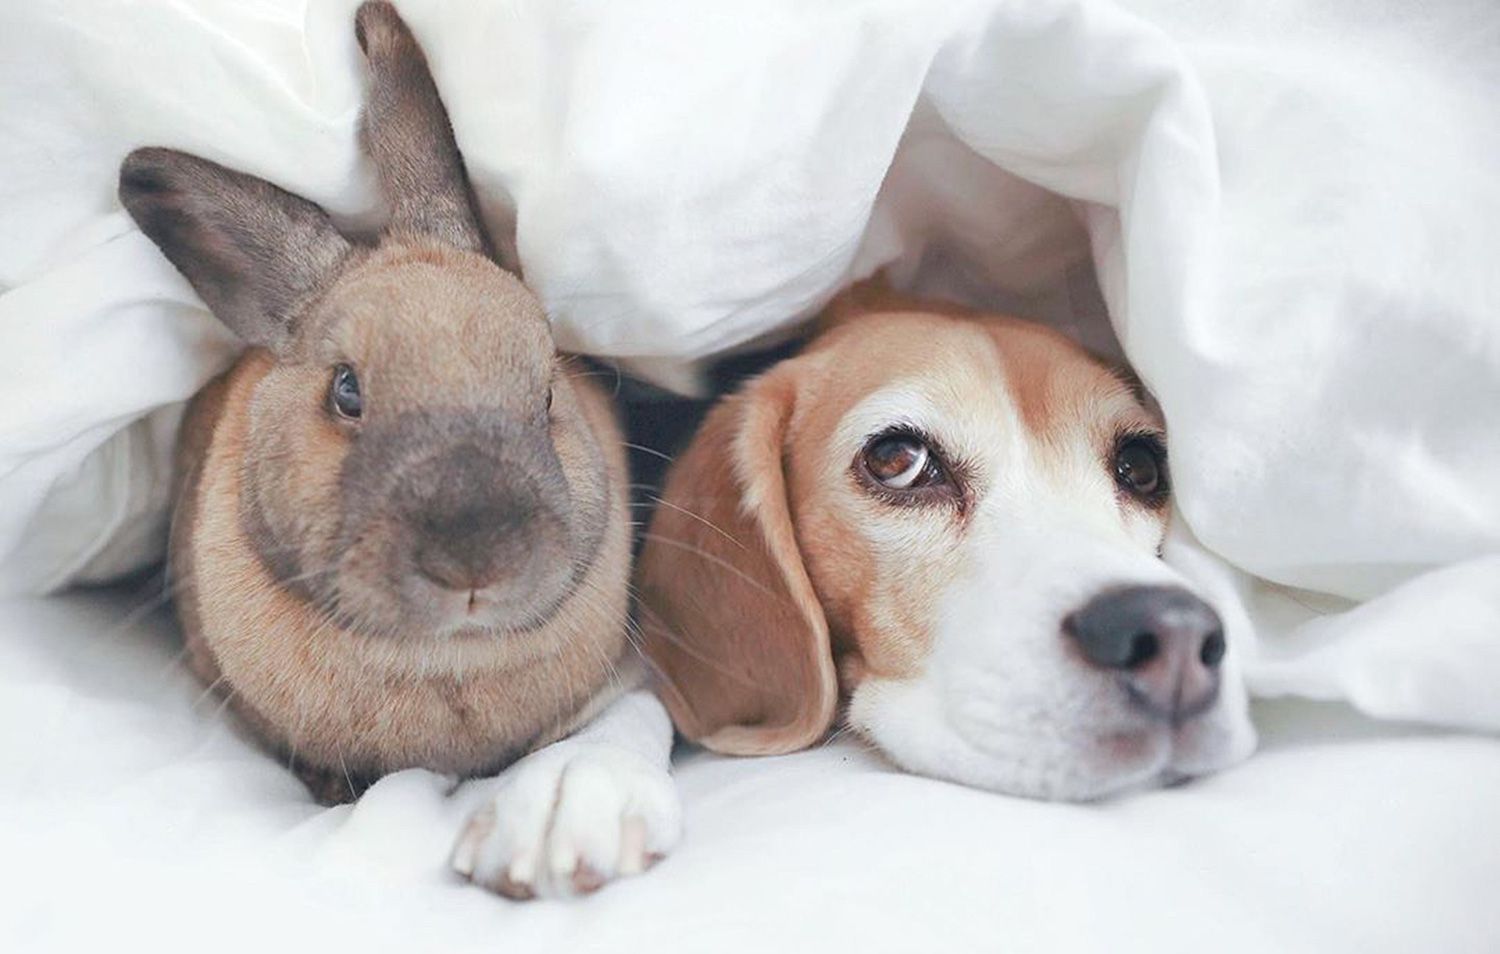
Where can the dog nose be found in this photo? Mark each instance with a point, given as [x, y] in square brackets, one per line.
[1165, 642]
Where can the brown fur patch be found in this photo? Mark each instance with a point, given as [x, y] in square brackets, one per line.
[728, 614]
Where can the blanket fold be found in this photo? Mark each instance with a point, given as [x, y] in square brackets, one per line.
[1292, 215]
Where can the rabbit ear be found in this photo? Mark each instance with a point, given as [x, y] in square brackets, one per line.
[255, 253]
[408, 137]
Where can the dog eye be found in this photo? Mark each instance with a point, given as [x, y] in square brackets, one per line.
[343, 393]
[1140, 467]
[902, 461]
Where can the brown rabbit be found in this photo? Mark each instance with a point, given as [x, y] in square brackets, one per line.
[402, 537]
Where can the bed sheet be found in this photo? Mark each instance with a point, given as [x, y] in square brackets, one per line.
[132, 814]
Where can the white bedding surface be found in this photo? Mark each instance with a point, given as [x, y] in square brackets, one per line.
[1291, 207]
[130, 811]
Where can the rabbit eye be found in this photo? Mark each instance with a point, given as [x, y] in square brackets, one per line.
[550, 393]
[343, 393]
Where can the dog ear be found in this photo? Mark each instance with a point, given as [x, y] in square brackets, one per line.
[729, 615]
[410, 140]
[255, 253]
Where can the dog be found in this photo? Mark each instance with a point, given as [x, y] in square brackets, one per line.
[946, 525]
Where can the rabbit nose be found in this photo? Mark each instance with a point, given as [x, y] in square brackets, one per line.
[1165, 643]
[508, 547]
[482, 522]
[471, 548]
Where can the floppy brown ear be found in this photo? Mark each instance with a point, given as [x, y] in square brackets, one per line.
[410, 140]
[256, 254]
[729, 616]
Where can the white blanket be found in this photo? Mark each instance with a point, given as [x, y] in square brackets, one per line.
[1294, 215]
[134, 817]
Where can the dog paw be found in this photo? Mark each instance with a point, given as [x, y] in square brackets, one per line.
[567, 820]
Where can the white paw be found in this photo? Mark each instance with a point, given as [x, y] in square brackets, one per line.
[568, 819]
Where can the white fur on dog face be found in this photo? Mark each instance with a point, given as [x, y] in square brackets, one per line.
[1003, 700]
[997, 696]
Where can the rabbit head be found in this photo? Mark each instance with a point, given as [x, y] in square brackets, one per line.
[417, 461]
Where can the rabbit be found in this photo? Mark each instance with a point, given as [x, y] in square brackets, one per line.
[402, 534]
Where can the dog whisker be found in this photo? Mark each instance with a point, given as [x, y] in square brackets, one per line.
[646, 450]
[701, 519]
[717, 561]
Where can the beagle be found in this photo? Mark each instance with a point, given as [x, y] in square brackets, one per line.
[943, 527]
